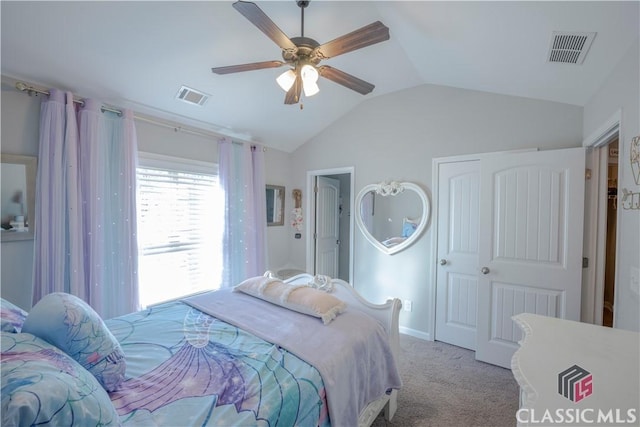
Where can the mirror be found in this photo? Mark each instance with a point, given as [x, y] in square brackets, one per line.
[392, 215]
[18, 195]
[275, 205]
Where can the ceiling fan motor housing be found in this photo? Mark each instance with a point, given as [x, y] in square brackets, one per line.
[305, 46]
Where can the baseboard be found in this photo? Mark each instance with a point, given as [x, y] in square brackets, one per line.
[415, 333]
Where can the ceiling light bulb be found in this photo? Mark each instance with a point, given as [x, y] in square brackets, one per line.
[286, 80]
[310, 88]
[309, 73]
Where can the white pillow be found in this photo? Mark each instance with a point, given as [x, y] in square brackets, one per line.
[301, 298]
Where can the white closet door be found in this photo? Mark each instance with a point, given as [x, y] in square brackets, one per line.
[327, 226]
[457, 269]
[530, 260]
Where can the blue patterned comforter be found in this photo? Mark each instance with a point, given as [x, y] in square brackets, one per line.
[185, 367]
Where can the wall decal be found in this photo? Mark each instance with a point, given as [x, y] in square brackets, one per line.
[634, 157]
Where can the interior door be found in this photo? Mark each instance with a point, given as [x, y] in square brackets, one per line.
[327, 226]
[530, 257]
[457, 269]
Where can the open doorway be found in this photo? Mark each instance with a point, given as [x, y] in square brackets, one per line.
[601, 218]
[330, 236]
[611, 153]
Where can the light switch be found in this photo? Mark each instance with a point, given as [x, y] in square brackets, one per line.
[634, 278]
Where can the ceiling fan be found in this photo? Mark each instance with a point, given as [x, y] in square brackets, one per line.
[303, 54]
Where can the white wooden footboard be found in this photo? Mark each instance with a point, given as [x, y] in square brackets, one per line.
[388, 315]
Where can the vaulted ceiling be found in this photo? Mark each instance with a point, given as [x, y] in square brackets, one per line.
[139, 54]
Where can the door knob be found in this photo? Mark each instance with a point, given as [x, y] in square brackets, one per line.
[485, 270]
[443, 261]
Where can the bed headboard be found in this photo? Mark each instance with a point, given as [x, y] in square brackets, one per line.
[387, 314]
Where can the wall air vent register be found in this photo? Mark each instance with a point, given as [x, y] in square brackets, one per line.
[192, 96]
[570, 47]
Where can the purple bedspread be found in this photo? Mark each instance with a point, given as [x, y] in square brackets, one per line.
[351, 353]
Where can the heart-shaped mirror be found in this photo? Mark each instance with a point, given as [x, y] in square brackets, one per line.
[392, 215]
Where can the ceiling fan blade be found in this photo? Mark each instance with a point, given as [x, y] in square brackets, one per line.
[247, 67]
[258, 18]
[365, 36]
[293, 94]
[346, 80]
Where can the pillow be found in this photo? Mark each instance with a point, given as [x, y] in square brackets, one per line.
[301, 298]
[408, 227]
[11, 316]
[69, 323]
[41, 385]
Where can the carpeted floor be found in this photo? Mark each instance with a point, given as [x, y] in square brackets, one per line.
[444, 386]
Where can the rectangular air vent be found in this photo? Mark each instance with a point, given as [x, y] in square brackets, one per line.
[192, 96]
[569, 47]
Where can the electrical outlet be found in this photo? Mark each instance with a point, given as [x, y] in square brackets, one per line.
[408, 305]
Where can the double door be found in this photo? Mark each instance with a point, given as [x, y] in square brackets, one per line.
[509, 241]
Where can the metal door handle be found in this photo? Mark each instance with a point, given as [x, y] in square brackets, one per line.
[443, 261]
[485, 270]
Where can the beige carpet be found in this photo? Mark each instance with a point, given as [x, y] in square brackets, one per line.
[444, 386]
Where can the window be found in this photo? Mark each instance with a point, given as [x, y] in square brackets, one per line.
[180, 223]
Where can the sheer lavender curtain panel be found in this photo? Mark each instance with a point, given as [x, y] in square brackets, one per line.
[86, 242]
[241, 169]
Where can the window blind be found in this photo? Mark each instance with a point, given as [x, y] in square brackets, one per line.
[180, 222]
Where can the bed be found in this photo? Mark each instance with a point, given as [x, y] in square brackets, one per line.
[271, 353]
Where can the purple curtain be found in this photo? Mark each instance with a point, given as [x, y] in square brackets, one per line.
[241, 170]
[86, 241]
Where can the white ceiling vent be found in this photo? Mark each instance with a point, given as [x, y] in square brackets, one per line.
[570, 48]
[192, 96]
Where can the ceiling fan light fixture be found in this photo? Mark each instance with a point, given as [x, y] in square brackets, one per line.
[286, 80]
[309, 75]
[310, 88]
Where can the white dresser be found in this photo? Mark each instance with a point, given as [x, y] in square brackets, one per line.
[573, 373]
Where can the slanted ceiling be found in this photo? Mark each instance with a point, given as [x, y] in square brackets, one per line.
[138, 54]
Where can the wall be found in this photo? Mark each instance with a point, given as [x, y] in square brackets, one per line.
[621, 92]
[20, 121]
[19, 136]
[277, 173]
[396, 136]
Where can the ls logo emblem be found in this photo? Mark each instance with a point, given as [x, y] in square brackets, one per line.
[575, 383]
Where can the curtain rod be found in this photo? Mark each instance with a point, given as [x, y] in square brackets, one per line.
[24, 87]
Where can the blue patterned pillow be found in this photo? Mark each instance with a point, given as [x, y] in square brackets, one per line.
[41, 385]
[11, 316]
[70, 324]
